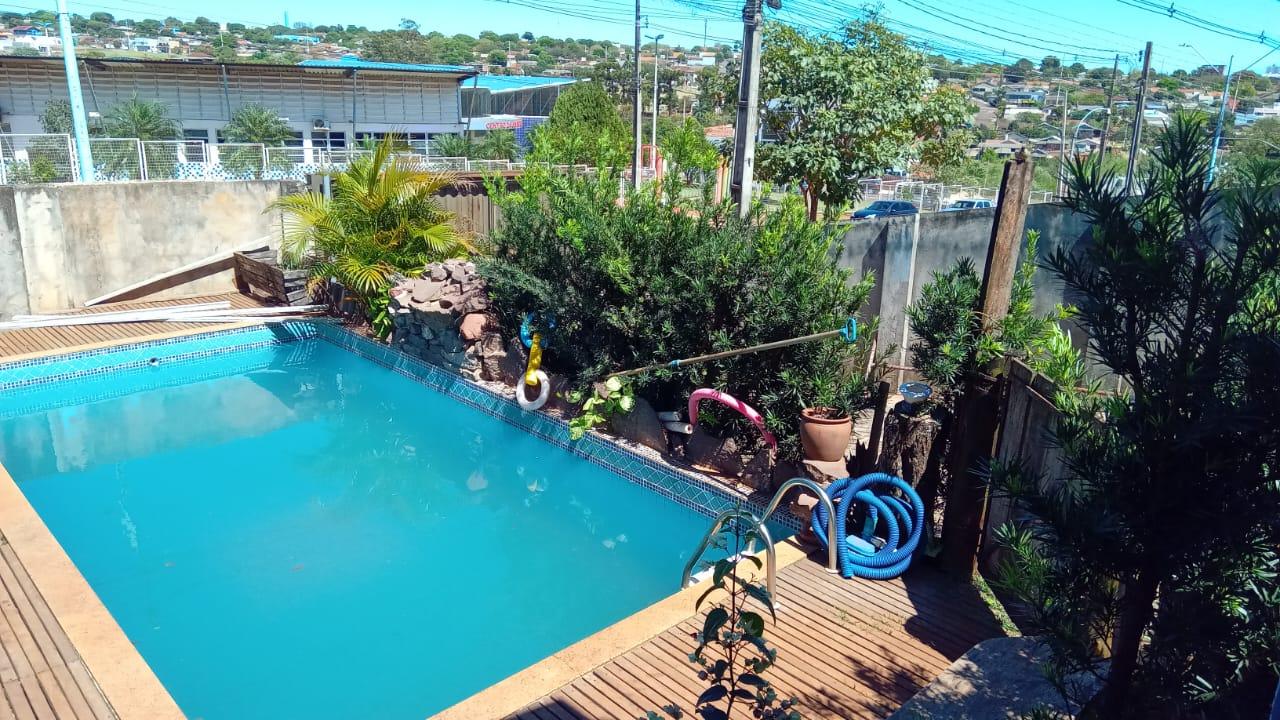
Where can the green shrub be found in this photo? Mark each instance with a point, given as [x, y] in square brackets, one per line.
[648, 281]
[950, 343]
[382, 221]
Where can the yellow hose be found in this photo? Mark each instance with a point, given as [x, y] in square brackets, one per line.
[535, 361]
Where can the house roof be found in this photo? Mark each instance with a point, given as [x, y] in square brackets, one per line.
[351, 62]
[718, 132]
[512, 83]
[456, 71]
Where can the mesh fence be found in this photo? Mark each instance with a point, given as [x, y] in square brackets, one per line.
[174, 159]
[237, 161]
[36, 158]
[116, 158]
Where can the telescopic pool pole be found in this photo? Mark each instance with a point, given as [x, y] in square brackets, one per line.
[848, 333]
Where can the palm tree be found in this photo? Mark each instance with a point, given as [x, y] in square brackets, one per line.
[451, 146]
[257, 124]
[141, 119]
[382, 221]
[499, 145]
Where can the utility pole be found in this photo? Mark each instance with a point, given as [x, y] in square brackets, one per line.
[1222, 118]
[79, 122]
[744, 141]
[635, 101]
[977, 410]
[653, 130]
[1106, 121]
[1138, 119]
[1062, 147]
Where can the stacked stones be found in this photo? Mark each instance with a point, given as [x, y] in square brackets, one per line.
[443, 317]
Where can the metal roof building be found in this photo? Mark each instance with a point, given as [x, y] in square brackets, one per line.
[511, 95]
[327, 103]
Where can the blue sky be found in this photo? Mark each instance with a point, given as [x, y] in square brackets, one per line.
[1079, 29]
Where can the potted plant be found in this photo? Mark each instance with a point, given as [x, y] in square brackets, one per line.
[826, 422]
[825, 431]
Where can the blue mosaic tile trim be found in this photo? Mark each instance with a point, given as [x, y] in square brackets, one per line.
[68, 366]
[686, 488]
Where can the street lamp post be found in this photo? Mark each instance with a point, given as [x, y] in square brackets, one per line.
[1076, 133]
[1222, 109]
[653, 130]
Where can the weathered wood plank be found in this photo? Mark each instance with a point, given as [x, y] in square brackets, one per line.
[846, 649]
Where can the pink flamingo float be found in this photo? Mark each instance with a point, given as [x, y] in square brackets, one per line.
[731, 402]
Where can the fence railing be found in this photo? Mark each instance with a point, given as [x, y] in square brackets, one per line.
[49, 158]
[37, 158]
[932, 197]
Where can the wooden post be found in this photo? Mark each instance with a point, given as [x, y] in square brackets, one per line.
[977, 408]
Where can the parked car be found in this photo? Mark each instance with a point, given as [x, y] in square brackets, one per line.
[968, 205]
[886, 208]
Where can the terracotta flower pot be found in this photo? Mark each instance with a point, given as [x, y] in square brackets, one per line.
[824, 433]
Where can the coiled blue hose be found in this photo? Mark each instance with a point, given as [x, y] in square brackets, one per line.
[903, 517]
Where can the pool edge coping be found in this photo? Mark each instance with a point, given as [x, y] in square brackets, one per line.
[557, 670]
[122, 675]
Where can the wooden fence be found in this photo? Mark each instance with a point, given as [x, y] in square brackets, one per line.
[1028, 419]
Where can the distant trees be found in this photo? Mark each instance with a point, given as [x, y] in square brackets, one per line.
[1050, 65]
[846, 107]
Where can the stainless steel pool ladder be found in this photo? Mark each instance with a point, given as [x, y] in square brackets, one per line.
[758, 524]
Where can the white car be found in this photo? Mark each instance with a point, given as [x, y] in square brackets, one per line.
[968, 205]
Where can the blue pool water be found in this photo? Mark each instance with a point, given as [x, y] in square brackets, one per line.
[296, 532]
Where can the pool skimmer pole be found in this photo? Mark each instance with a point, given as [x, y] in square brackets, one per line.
[848, 333]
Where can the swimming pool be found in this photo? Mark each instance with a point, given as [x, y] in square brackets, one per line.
[299, 523]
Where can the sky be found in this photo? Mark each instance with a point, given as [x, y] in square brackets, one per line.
[1090, 31]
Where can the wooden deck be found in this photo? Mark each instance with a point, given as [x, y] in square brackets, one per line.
[846, 649]
[14, 343]
[41, 674]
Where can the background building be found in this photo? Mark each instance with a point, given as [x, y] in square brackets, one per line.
[328, 103]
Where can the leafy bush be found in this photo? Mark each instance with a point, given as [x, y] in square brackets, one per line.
[383, 220]
[947, 322]
[1152, 562]
[646, 280]
[584, 128]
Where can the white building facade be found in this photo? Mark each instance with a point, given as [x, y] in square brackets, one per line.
[329, 105]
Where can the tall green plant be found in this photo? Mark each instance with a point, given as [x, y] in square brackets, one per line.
[451, 146]
[647, 280]
[141, 119]
[383, 220]
[257, 124]
[732, 654]
[950, 342]
[1153, 562]
[850, 105]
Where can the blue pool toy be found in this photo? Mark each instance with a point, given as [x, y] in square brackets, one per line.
[527, 331]
[879, 501]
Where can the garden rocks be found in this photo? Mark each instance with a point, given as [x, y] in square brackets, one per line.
[442, 318]
[641, 426]
[709, 451]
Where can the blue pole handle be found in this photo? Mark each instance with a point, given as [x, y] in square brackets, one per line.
[849, 333]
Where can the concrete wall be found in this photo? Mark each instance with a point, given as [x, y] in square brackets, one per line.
[904, 253]
[61, 245]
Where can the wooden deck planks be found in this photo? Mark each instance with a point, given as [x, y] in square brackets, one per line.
[41, 675]
[846, 649]
[36, 340]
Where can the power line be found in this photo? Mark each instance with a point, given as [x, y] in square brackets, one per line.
[1202, 23]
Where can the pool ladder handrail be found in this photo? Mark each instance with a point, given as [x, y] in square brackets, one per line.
[758, 523]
